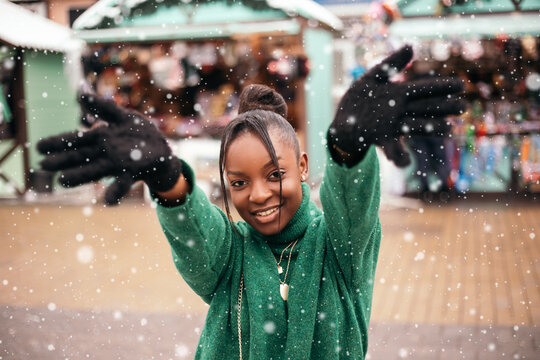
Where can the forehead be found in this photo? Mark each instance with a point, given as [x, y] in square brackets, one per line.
[248, 150]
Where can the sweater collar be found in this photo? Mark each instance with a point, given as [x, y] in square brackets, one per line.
[294, 229]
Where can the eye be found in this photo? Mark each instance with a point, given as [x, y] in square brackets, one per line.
[275, 175]
[237, 183]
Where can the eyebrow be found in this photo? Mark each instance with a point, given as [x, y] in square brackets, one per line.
[264, 167]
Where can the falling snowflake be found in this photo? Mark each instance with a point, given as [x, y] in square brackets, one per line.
[181, 350]
[85, 254]
[408, 236]
[403, 353]
[419, 256]
[269, 327]
[135, 155]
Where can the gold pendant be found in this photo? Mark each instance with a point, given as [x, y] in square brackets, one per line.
[284, 291]
[279, 270]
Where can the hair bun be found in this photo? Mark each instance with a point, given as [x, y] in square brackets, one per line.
[262, 97]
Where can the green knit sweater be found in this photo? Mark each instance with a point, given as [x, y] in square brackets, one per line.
[331, 273]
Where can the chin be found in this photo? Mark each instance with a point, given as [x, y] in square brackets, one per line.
[270, 228]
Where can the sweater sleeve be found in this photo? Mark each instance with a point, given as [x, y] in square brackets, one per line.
[350, 199]
[200, 236]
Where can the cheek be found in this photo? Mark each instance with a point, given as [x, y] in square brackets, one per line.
[238, 199]
[292, 189]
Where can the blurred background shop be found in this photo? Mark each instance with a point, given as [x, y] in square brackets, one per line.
[39, 63]
[494, 47]
[184, 66]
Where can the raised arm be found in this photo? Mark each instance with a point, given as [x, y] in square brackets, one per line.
[130, 148]
[201, 238]
[376, 111]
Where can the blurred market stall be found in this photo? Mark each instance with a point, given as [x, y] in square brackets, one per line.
[493, 46]
[184, 63]
[36, 97]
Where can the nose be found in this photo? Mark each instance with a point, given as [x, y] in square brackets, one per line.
[260, 192]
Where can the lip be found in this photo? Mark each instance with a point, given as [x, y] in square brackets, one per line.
[268, 218]
[254, 212]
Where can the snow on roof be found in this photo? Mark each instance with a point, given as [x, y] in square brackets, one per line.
[115, 10]
[308, 9]
[21, 27]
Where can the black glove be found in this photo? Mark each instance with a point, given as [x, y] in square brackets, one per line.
[129, 147]
[377, 111]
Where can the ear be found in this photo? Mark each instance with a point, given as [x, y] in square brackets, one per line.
[303, 166]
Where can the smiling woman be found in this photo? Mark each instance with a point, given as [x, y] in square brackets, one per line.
[290, 281]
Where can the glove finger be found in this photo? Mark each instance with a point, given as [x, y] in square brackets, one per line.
[118, 189]
[423, 126]
[391, 65]
[69, 159]
[396, 152]
[105, 109]
[437, 106]
[95, 170]
[68, 141]
[434, 87]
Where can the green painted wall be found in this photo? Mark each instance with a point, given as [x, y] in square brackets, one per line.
[13, 168]
[319, 107]
[51, 106]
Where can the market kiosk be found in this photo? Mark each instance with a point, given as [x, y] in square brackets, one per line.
[36, 96]
[184, 63]
[496, 51]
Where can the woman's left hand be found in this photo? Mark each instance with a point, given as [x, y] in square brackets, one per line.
[377, 111]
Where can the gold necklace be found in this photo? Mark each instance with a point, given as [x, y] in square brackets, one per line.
[279, 268]
[283, 286]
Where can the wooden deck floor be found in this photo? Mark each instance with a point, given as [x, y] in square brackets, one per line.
[462, 263]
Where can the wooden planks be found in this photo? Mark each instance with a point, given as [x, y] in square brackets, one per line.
[480, 266]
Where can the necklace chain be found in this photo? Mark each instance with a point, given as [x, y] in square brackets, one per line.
[281, 256]
[288, 263]
[241, 287]
[239, 314]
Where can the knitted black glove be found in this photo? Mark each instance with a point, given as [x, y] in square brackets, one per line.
[377, 111]
[129, 147]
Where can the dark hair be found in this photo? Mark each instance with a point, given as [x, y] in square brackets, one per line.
[261, 97]
[259, 123]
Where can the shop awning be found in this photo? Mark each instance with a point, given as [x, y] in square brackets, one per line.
[23, 28]
[467, 26]
[144, 20]
[413, 8]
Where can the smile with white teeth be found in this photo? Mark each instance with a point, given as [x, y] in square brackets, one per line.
[267, 212]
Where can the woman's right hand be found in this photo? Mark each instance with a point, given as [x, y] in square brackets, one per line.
[128, 147]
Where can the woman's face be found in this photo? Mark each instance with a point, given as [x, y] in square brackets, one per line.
[254, 181]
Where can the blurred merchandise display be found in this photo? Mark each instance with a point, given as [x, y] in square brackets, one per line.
[503, 93]
[191, 88]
